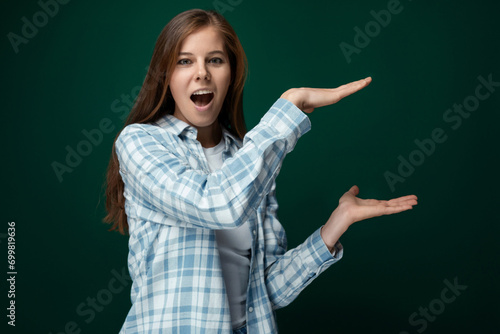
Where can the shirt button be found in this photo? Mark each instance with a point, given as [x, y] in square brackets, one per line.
[250, 309]
[254, 232]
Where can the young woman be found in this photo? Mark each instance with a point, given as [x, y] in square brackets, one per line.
[196, 192]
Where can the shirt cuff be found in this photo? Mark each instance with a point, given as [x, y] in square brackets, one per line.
[321, 256]
[288, 120]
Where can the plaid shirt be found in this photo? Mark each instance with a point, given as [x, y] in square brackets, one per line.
[174, 204]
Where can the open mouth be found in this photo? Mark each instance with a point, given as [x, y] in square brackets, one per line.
[201, 100]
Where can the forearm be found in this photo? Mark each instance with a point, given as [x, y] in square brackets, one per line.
[294, 270]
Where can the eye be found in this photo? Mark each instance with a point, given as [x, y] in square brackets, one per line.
[183, 61]
[216, 60]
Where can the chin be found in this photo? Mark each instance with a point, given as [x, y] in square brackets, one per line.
[199, 121]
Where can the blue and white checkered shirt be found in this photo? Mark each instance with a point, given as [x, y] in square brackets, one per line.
[174, 205]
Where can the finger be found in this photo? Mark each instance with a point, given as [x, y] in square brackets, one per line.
[366, 212]
[405, 203]
[389, 210]
[367, 79]
[403, 198]
[374, 202]
[354, 190]
[320, 97]
[351, 88]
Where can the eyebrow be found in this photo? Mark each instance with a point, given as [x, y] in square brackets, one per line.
[210, 53]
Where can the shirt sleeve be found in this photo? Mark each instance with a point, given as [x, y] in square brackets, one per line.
[164, 182]
[290, 272]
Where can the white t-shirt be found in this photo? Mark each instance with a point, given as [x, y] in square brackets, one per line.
[234, 248]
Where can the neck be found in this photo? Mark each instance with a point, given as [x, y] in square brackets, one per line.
[210, 136]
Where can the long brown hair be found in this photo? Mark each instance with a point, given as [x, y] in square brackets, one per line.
[155, 99]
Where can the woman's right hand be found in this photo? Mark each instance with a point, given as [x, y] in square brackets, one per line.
[306, 99]
[353, 209]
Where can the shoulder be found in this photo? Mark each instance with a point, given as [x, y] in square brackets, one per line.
[141, 145]
[143, 142]
[138, 129]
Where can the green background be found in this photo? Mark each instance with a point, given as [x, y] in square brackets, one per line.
[429, 57]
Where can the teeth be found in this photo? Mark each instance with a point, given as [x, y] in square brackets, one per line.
[201, 92]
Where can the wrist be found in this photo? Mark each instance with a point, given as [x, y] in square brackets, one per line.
[290, 96]
[336, 225]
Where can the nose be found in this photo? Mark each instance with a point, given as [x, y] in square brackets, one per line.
[202, 72]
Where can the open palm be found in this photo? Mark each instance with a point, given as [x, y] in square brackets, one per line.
[307, 99]
[358, 209]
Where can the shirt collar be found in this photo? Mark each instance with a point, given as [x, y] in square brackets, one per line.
[180, 128]
[229, 137]
[172, 124]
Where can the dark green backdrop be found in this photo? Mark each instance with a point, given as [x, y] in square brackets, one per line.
[73, 73]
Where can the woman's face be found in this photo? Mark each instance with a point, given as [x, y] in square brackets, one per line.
[202, 65]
